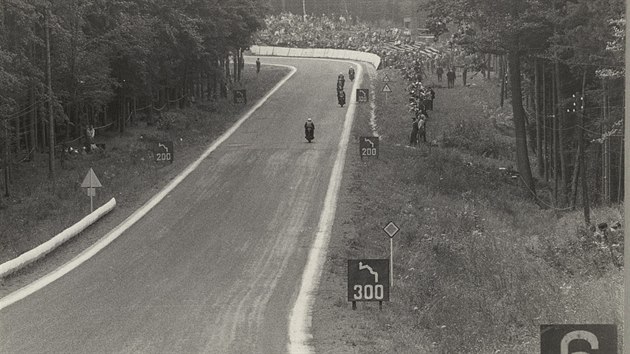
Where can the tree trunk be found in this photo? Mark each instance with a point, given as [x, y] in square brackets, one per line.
[560, 115]
[545, 122]
[502, 78]
[539, 152]
[620, 170]
[580, 147]
[33, 119]
[51, 118]
[7, 165]
[554, 139]
[522, 159]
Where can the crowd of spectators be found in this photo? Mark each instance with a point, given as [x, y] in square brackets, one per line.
[395, 46]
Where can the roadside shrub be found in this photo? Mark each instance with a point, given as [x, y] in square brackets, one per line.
[168, 120]
[479, 137]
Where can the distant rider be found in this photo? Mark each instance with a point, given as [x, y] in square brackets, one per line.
[309, 125]
[341, 98]
[340, 82]
[351, 74]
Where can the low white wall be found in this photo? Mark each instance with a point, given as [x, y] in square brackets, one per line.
[317, 53]
[38, 252]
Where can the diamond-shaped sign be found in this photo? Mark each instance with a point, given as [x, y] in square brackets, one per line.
[391, 229]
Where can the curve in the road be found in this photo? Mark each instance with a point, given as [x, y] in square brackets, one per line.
[142, 211]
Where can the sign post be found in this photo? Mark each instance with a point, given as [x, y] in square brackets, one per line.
[367, 281]
[391, 229]
[387, 90]
[90, 182]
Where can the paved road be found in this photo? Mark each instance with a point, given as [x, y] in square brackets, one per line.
[216, 266]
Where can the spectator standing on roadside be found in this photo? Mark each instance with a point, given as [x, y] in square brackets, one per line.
[89, 138]
[422, 128]
[439, 72]
[413, 140]
[432, 93]
[464, 74]
[257, 65]
[450, 77]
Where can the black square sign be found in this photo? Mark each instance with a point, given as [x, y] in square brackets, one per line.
[363, 95]
[240, 96]
[164, 151]
[368, 146]
[368, 280]
[574, 339]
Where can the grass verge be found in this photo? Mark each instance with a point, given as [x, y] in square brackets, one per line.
[478, 266]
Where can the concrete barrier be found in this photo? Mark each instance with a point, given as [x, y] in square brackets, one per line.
[317, 53]
[38, 252]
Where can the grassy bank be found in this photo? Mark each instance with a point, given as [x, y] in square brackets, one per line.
[126, 168]
[478, 266]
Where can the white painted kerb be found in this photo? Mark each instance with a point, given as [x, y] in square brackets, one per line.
[300, 318]
[40, 251]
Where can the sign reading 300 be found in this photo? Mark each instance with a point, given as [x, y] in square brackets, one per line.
[368, 280]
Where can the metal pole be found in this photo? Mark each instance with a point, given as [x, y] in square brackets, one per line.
[91, 204]
[391, 262]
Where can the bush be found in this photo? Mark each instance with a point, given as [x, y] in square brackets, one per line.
[479, 137]
[168, 120]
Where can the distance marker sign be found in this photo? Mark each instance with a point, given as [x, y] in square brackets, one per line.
[368, 280]
[363, 95]
[164, 151]
[240, 96]
[368, 146]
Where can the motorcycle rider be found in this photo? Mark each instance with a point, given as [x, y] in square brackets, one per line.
[309, 129]
[351, 74]
[340, 82]
[341, 98]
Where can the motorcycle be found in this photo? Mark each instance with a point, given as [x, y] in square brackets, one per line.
[341, 98]
[339, 85]
[310, 133]
[351, 74]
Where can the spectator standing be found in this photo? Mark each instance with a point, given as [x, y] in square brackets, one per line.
[89, 138]
[464, 74]
[422, 128]
[432, 93]
[450, 77]
[439, 72]
[257, 65]
[413, 140]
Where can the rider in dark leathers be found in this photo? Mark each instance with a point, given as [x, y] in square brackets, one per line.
[309, 130]
[341, 98]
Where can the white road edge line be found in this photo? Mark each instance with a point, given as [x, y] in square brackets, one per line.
[300, 318]
[143, 210]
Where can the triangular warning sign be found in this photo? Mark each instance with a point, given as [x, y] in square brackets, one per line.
[386, 78]
[386, 88]
[90, 180]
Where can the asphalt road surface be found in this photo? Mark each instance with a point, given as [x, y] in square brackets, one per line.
[216, 266]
